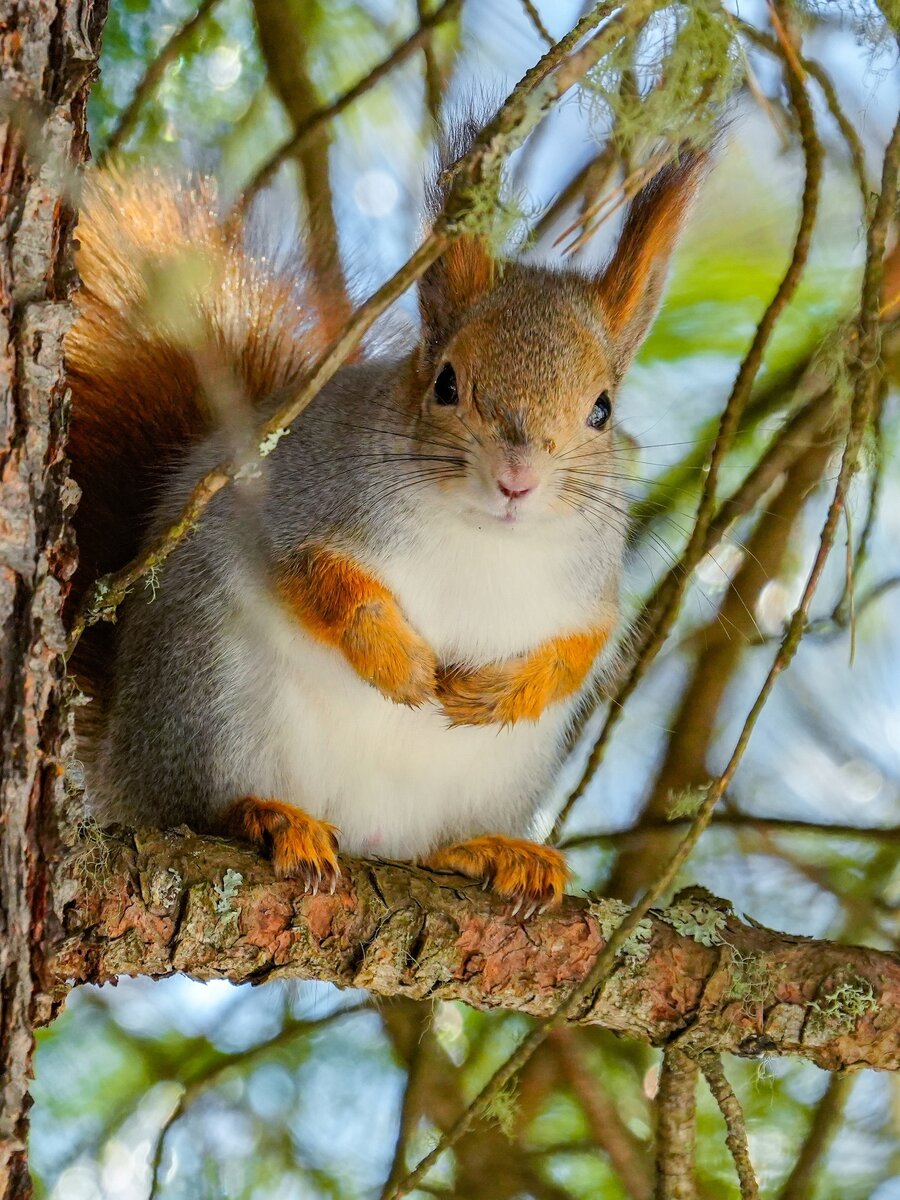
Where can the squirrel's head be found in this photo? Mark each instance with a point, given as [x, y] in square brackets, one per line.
[519, 368]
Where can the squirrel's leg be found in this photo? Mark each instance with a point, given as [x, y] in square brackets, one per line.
[341, 604]
[302, 847]
[520, 688]
[531, 875]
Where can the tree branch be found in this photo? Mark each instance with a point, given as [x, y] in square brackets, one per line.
[162, 60]
[736, 1128]
[309, 128]
[626, 1152]
[800, 1184]
[663, 607]
[676, 1127]
[157, 905]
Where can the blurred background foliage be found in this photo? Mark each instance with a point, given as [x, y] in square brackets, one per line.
[291, 1092]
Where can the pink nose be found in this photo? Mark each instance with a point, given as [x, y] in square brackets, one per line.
[517, 482]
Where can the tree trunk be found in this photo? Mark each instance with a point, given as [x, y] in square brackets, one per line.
[48, 54]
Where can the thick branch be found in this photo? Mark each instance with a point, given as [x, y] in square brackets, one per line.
[162, 904]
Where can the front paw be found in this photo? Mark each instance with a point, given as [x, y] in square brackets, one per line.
[492, 695]
[389, 655]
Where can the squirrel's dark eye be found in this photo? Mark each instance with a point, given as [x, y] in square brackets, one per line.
[601, 412]
[445, 386]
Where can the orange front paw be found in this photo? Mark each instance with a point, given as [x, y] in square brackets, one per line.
[519, 689]
[302, 846]
[384, 650]
[532, 876]
[493, 695]
[344, 606]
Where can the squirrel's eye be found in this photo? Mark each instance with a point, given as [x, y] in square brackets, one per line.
[601, 412]
[445, 386]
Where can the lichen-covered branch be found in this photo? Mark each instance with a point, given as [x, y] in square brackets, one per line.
[157, 903]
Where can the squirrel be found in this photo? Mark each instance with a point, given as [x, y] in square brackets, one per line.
[389, 648]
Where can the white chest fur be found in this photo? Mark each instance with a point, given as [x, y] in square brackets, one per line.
[480, 593]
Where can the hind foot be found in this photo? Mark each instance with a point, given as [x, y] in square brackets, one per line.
[532, 876]
[301, 846]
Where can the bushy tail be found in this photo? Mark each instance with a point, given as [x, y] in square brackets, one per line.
[163, 277]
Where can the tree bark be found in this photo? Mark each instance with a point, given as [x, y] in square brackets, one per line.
[156, 903]
[47, 56]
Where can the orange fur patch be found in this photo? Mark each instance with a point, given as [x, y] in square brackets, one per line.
[531, 875]
[521, 688]
[470, 271]
[302, 847]
[345, 607]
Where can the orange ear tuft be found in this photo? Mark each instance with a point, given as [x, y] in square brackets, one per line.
[470, 271]
[456, 282]
[630, 288]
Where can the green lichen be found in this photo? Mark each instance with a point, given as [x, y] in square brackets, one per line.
[750, 977]
[841, 1008]
[687, 803]
[609, 915]
[226, 892]
[673, 81]
[151, 581]
[504, 1108]
[92, 853]
[248, 471]
[695, 919]
[164, 889]
[271, 440]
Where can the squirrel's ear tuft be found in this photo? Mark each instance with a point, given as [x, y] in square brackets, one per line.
[630, 287]
[455, 283]
[465, 272]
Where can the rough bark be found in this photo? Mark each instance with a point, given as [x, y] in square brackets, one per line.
[47, 56]
[157, 903]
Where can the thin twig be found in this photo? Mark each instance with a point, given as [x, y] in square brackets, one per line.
[594, 174]
[823, 79]
[733, 820]
[535, 18]
[307, 129]
[735, 1126]
[667, 598]
[585, 995]
[410, 1110]
[435, 77]
[210, 1077]
[676, 1127]
[173, 48]
[847, 606]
